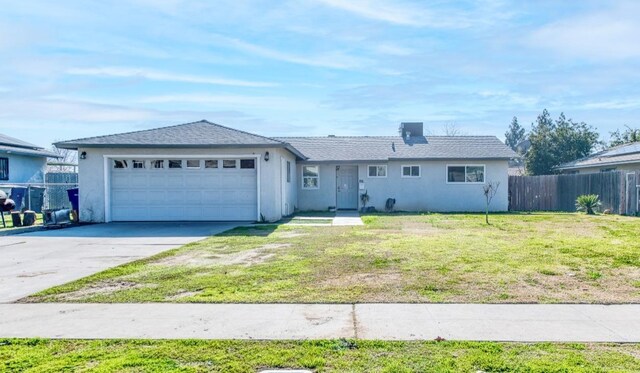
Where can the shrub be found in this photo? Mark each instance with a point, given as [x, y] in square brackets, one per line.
[588, 203]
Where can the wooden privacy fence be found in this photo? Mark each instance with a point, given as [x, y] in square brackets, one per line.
[618, 191]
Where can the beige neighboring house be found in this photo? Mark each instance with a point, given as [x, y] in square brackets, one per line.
[620, 158]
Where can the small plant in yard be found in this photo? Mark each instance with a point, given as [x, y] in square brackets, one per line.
[588, 203]
[490, 189]
[364, 198]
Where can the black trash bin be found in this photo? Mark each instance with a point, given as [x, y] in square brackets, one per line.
[73, 198]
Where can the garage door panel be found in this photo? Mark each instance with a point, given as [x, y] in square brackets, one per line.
[183, 194]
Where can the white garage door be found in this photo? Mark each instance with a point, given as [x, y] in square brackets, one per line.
[166, 189]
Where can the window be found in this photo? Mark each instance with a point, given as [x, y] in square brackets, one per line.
[4, 168]
[229, 163]
[410, 171]
[120, 164]
[288, 171]
[138, 164]
[607, 169]
[175, 163]
[465, 174]
[211, 163]
[310, 177]
[157, 163]
[378, 171]
[247, 163]
[193, 164]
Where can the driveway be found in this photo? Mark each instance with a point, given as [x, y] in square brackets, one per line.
[33, 262]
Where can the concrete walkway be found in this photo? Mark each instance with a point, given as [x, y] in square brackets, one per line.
[347, 218]
[476, 322]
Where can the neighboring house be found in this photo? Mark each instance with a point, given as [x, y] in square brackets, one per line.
[517, 165]
[204, 171]
[22, 162]
[619, 158]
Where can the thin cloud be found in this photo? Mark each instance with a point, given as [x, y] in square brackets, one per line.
[127, 72]
[397, 13]
[266, 102]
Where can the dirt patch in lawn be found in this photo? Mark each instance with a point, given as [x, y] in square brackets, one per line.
[183, 294]
[420, 228]
[364, 279]
[201, 258]
[99, 288]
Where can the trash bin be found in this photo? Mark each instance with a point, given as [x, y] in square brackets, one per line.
[73, 198]
[18, 195]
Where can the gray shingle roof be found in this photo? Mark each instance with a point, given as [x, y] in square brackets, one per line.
[10, 144]
[383, 148]
[627, 153]
[196, 134]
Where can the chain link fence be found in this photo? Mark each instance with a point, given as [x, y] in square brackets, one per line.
[50, 195]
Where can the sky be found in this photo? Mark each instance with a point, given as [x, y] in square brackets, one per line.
[73, 69]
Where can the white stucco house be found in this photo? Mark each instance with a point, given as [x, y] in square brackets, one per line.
[22, 162]
[624, 157]
[205, 171]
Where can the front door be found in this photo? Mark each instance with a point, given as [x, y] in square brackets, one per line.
[347, 187]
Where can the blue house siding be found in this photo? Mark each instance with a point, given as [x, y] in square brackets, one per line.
[24, 169]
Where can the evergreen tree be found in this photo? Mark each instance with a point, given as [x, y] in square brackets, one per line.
[554, 143]
[515, 134]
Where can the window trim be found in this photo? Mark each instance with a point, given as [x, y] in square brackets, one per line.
[410, 176]
[186, 163]
[236, 164]
[246, 168]
[217, 163]
[316, 177]
[142, 161]
[8, 176]
[182, 164]
[465, 165]
[386, 171]
[152, 164]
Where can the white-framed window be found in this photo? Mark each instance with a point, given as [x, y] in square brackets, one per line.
[470, 174]
[288, 171]
[175, 163]
[211, 163]
[377, 170]
[310, 177]
[193, 164]
[138, 164]
[247, 163]
[229, 163]
[120, 163]
[411, 171]
[157, 163]
[4, 168]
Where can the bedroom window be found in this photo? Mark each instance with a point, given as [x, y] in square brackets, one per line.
[473, 174]
[4, 168]
[310, 177]
[378, 171]
[410, 171]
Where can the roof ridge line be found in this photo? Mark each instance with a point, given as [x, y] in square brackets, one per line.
[237, 130]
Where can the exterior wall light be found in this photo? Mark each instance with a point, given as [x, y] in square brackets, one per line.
[83, 155]
[266, 157]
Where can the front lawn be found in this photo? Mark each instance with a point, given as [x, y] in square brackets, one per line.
[539, 258]
[320, 356]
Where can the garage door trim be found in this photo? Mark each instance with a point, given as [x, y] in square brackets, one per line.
[107, 173]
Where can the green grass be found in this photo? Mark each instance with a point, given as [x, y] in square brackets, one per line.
[9, 222]
[36, 355]
[540, 258]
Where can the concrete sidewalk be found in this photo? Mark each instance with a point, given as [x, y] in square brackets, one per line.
[476, 322]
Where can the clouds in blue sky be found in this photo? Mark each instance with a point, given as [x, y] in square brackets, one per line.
[82, 68]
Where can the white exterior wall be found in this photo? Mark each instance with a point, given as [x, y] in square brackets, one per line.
[619, 167]
[25, 169]
[91, 176]
[429, 192]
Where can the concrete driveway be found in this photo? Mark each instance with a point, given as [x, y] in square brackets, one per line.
[33, 262]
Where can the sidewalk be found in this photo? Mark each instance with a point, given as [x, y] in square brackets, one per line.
[475, 322]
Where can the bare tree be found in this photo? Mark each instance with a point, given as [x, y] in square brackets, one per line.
[66, 156]
[452, 129]
[490, 189]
